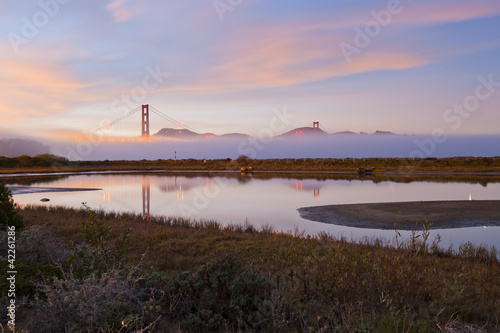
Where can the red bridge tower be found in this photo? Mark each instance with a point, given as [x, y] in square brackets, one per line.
[145, 120]
[315, 125]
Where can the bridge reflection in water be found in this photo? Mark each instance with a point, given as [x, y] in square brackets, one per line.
[146, 193]
[146, 197]
[300, 187]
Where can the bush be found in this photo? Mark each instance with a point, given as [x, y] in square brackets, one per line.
[222, 294]
[114, 301]
[97, 254]
[28, 274]
[33, 245]
[36, 252]
[8, 213]
[98, 293]
[243, 160]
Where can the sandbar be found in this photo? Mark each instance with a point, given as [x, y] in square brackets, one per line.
[442, 214]
[34, 189]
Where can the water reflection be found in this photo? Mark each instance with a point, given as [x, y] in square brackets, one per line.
[146, 197]
[262, 198]
[309, 187]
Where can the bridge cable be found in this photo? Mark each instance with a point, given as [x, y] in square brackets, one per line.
[111, 123]
[323, 128]
[172, 120]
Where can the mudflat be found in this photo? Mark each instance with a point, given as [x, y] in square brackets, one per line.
[34, 189]
[442, 214]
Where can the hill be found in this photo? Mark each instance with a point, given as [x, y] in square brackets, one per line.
[297, 132]
[302, 131]
[187, 134]
[176, 133]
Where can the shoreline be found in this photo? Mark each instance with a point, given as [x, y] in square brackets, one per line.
[380, 165]
[17, 190]
[409, 215]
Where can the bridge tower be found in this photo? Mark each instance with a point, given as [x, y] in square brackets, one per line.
[145, 120]
[315, 125]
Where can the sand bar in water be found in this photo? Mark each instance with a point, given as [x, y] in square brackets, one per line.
[442, 214]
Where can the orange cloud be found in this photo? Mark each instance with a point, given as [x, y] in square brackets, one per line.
[287, 54]
[31, 89]
[382, 61]
[281, 54]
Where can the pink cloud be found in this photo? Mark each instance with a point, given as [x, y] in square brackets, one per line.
[429, 12]
[119, 11]
[281, 54]
[287, 54]
[32, 89]
[437, 12]
[382, 61]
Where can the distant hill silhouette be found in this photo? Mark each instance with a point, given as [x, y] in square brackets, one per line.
[345, 133]
[234, 136]
[309, 131]
[17, 147]
[187, 134]
[302, 131]
[383, 133]
[176, 133]
[297, 132]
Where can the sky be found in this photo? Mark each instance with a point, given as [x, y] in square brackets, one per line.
[411, 67]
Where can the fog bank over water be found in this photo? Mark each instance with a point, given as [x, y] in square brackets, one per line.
[18, 147]
[334, 146]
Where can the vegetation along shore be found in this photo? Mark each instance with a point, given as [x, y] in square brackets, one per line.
[48, 163]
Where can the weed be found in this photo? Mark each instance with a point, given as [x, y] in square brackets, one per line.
[8, 210]
[284, 280]
[97, 254]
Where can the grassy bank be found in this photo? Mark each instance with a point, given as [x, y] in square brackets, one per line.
[51, 163]
[274, 281]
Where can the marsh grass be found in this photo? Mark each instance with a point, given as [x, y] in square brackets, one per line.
[52, 163]
[315, 284]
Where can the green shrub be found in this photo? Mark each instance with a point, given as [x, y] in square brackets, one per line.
[222, 294]
[97, 254]
[8, 213]
[28, 274]
[98, 293]
[243, 160]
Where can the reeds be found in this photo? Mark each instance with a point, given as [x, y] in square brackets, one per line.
[311, 283]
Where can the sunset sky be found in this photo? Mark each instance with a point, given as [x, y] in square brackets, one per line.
[223, 66]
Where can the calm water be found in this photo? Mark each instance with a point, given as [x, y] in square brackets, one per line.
[271, 201]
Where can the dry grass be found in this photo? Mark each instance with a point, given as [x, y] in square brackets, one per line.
[329, 282]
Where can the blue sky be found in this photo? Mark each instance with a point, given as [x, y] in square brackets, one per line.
[229, 68]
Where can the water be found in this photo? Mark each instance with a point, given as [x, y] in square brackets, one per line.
[237, 198]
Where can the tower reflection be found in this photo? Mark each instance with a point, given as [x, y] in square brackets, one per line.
[146, 196]
[299, 186]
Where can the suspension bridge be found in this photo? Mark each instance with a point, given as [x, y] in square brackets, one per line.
[146, 111]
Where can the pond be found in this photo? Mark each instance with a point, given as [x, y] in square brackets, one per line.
[260, 199]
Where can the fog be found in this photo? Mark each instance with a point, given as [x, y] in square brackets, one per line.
[18, 147]
[326, 146]
[331, 146]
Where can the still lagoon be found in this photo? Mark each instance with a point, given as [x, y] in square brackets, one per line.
[259, 199]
